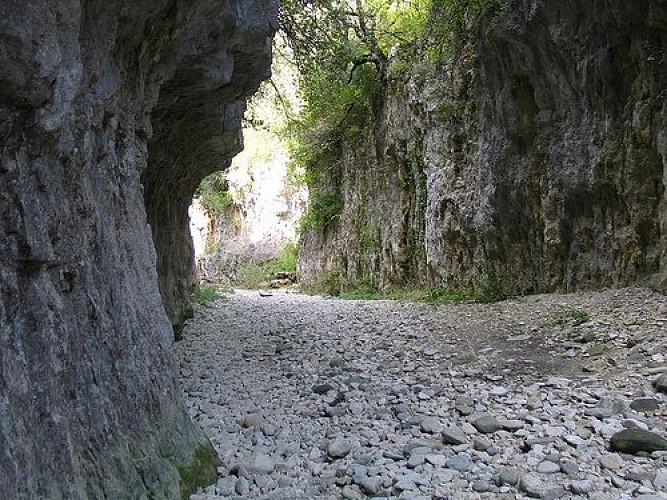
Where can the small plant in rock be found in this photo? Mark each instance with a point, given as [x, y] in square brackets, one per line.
[446, 296]
[464, 359]
[491, 289]
[330, 283]
[361, 289]
[572, 317]
[205, 293]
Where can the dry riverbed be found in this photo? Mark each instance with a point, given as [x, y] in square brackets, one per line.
[306, 397]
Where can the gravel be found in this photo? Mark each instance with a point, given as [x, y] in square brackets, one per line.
[307, 397]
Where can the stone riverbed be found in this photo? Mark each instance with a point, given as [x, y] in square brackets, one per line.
[309, 397]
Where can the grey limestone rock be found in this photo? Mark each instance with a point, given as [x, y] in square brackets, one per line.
[556, 137]
[487, 424]
[636, 440]
[661, 383]
[98, 99]
[339, 447]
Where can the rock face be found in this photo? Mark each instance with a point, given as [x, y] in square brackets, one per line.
[536, 157]
[262, 217]
[96, 97]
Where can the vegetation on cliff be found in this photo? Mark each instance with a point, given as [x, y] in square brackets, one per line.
[348, 55]
[347, 52]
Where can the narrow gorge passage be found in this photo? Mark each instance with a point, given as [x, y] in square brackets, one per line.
[306, 397]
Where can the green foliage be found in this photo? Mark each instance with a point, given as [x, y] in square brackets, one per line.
[213, 193]
[332, 282]
[322, 210]
[345, 53]
[341, 51]
[369, 235]
[446, 296]
[255, 276]
[361, 289]
[205, 293]
[490, 289]
[288, 257]
[252, 276]
[201, 471]
[446, 112]
[329, 283]
[451, 21]
[572, 316]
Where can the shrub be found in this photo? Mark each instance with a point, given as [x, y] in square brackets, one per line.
[491, 289]
[254, 276]
[205, 293]
[572, 316]
[322, 210]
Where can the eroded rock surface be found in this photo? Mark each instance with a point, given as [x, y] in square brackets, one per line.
[88, 404]
[537, 157]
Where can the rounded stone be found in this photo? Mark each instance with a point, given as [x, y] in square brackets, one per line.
[548, 467]
[611, 461]
[636, 440]
[461, 463]
[431, 425]
[454, 435]
[644, 405]
[487, 424]
[582, 487]
[660, 384]
[339, 447]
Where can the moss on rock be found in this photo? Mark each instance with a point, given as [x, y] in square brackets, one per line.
[201, 471]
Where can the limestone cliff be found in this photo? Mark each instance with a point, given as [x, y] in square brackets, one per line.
[537, 156]
[96, 97]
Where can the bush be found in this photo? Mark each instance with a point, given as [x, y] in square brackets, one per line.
[213, 193]
[491, 289]
[574, 317]
[205, 292]
[254, 276]
[322, 210]
[446, 295]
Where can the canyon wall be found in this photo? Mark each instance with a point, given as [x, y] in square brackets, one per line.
[536, 157]
[110, 114]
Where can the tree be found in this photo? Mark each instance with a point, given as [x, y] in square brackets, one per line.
[344, 48]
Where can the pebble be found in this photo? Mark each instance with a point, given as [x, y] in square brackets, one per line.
[548, 467]
[582, 487]
[509, 475]
[612, 461]
[660, 480]
[393, 399]
[263, 464]
[431, 425]
[645, 405]
[242, 486]
[487, 424]
[533, 486]
[461, 463]
[498, 391]
[661, 383]
[339, 448]
[635, 440]
[454, 435]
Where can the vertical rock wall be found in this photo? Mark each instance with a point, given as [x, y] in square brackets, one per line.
[378, 238]
[88, 403]
[545, 153]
